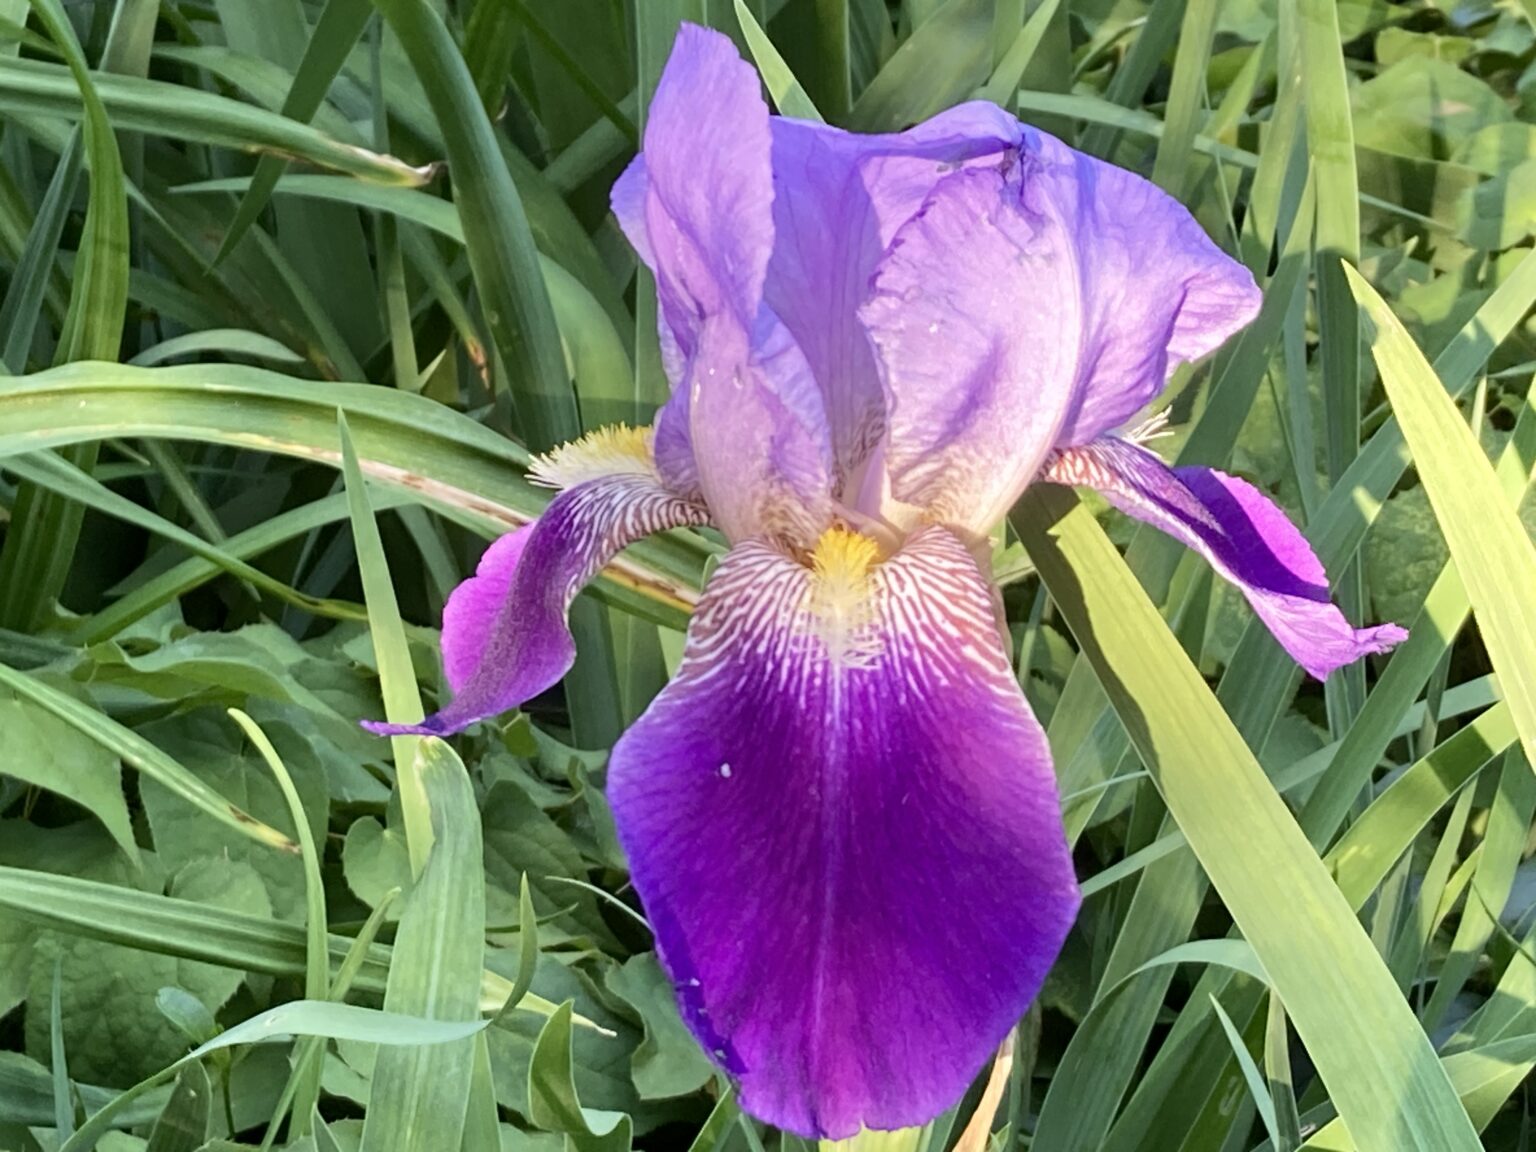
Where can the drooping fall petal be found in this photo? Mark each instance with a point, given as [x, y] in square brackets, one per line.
[505, 637]
[1242, 534]
[842, 820]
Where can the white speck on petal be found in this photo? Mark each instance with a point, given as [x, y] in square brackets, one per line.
[932, 328]
[725, 771]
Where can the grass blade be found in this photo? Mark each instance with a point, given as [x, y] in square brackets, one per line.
[340, 26]
[159, 108]
[1491, 548]
[144, 756]
[420, 1095]
[1376, 1062]
[397, 678]
[502, 256]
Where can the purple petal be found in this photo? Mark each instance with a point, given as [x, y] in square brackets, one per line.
[476, 602]
[974, 320]
[746, 425]
[1156, 291]
[840, 198]
[1033, 305]
[505, 638]
[1242, 534]
[842, 819]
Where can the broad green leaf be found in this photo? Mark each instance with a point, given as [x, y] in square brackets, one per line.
[183, 1126]
[1422, 107]
[138, 752]
[669, 1062]
[40, 748]
[1500, 212]
[114, 1030]
[553, 1105]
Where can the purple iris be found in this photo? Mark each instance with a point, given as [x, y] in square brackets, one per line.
[841, 814]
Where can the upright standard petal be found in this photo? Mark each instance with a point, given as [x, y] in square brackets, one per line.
[1242, 534]
[1156, 291]
[839, 198]
[1035, 305]
[975, 317]
[842, 820]
[745, 427]
[505, 637]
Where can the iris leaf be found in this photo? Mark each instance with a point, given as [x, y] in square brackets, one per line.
[1492, 550]
[1377, 1063]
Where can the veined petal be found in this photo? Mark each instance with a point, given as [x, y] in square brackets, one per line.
[505, 637]
[1242, 534]
[842, 820]
[977, 353]
[1033, 304]
[745, 427]
[1156, 291]
[839, 199]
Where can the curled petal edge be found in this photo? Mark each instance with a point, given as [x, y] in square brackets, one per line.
[1242, 535]
[505, 637]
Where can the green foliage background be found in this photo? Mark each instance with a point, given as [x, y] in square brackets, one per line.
[293, 289]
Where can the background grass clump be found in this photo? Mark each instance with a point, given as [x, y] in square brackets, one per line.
[290, 292]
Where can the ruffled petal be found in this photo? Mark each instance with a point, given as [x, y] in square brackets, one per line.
[745, 426]
[839, 199]
[1242, 534]
[1035, 304]
[1156, 291]
[843, 823]
[505, 637]
[975, 317]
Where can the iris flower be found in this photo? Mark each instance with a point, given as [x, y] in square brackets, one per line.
[841, 814]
